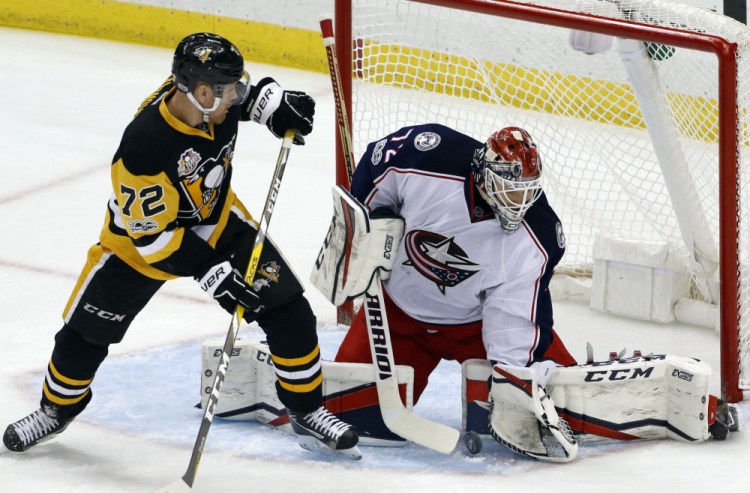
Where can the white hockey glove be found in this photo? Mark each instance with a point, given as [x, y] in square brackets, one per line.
[279, 110]
[227, 286]
[357, 245]
[523, 416]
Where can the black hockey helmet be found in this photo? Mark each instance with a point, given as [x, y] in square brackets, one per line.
[206, 57]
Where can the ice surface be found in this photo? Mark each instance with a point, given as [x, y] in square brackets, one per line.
[65, 103]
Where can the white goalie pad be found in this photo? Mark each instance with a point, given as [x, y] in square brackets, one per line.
[651, 397]
[523, 416]
[249, 392]
[355, 247]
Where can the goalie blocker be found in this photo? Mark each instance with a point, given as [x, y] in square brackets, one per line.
[356, 246]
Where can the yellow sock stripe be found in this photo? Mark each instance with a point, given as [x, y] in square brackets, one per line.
[303, 360]
[69, 381]
[302, 388]
[63, 401]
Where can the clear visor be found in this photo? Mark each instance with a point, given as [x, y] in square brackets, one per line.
[235, 92]
[510, 198]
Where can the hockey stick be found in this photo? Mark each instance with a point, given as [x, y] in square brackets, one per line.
[396, 417]
[342, 119]
[185, 483]
[345, 310]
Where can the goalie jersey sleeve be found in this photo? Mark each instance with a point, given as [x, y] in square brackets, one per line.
[455, 265]
[171, 190]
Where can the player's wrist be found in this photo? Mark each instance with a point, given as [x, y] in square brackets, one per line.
[213, 276]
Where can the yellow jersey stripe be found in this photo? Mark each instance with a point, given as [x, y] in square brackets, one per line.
[174, 240]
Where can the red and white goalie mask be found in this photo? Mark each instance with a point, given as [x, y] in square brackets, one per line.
[508, 173]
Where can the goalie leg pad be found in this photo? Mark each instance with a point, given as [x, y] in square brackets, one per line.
[652, 397]
[524, 419]
[249, 391]
[355, 247]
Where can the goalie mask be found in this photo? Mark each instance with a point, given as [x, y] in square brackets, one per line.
[508, 173]
[210, 58]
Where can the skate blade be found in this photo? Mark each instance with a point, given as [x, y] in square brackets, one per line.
[312, 444]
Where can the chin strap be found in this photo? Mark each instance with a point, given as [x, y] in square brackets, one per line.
[206, 111]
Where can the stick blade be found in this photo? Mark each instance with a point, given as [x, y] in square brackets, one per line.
[422, 431]
[413, 427]
[179, 486]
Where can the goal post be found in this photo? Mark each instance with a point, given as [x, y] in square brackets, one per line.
[644, 135]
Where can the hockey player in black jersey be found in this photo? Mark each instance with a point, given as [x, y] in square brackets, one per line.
[172, 214]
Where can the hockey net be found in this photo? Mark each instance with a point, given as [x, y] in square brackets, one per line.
[650, 150]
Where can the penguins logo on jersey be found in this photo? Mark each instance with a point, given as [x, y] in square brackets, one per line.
[189, 160]
[438, 258]
[201, 180]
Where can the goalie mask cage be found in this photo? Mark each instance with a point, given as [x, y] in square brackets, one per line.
[645, 140]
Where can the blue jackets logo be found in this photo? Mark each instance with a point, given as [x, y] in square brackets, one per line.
[426, 141]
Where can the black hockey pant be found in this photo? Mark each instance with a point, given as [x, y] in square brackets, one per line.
[110, 294]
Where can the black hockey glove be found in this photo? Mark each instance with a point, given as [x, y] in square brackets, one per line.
[281, 110]
[295, 111]
[227, 286]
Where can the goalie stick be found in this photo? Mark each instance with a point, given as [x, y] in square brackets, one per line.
[396, 416]
[345, 311]
[342, 120]
[185, 483]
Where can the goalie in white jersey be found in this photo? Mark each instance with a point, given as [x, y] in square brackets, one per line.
[462, 285]
[470, 278]
[466, 243]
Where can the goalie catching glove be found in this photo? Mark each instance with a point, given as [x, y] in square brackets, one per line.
[358, 245]
[523, 416]
[279, 110]
[227, 286]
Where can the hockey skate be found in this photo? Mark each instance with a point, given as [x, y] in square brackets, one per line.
[321, 431]
[39, 426]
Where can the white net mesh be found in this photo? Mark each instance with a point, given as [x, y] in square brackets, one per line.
[415, 63]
